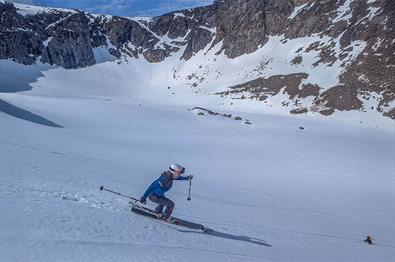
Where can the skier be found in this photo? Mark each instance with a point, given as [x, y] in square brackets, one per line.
[156, 191]
[369, 240]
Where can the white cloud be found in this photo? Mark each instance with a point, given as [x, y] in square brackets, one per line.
[164, 7]
[29, 2]
[112, 6]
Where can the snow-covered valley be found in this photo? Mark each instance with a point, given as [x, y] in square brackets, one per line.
[280, 189]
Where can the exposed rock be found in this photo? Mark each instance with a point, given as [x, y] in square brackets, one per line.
[98, 39]
[197, 40]
[309, 90]
[212, 113]
[156, 55]
[374, 70]
[202, 111]
[261, 88]
[130, 37]
[299, 111]
[17, 40]
[390, 114]
[300, 2]
[327, 112]
[297, 60]
[277, 12]
[241, 25]
[70, 46]
[341, 98]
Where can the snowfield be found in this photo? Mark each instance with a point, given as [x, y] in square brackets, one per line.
[285, 188]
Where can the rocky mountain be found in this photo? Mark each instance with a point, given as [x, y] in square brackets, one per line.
[318, 55]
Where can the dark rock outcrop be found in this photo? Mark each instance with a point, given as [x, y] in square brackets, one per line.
[241, 25]
[17, 39]
[340, 97]
[70, 44]
[262, 88]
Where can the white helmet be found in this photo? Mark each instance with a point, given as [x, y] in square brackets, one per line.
[176, 168]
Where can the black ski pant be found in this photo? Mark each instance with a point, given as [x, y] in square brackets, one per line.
[162, 202]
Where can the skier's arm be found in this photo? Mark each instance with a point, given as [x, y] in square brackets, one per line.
[184, 177]
[181, 178]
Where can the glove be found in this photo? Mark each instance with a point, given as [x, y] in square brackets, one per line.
[190, 177]
[143, 201]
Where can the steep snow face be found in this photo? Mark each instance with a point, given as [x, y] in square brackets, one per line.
[197, 81]
[274, 58]
[312, 194]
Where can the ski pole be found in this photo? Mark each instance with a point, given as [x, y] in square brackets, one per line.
[189, 192]
[117, 193]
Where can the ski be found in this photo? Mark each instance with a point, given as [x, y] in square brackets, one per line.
[141, 210]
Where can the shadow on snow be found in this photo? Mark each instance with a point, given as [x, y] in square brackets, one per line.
[25, 115]
[215, 233]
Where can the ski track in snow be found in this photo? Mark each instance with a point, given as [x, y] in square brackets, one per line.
[91, 199]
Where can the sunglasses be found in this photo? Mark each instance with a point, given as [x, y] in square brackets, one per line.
[182, 171]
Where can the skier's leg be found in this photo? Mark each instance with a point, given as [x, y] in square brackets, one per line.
[159, 209]
[169, 207]
[162, 201]
[155, 199]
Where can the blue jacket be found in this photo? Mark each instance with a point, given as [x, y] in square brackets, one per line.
[163, 184]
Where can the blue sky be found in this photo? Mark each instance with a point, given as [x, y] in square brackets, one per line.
[122, 7]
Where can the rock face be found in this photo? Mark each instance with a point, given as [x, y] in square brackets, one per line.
[241, 25]
[17, 40]
[369, 75]
[68, 38]
[70, 42]
[60, 38]
[262, 88]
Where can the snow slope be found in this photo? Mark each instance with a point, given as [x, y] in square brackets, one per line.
[24, 9]
[309, 194]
